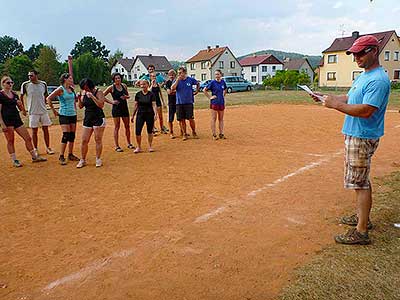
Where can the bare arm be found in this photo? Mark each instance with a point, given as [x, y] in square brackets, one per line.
[80, 103]
[205, 91]
[197, 88]
[135, 109]
[162, 98]
[174, 85]
[106, 92]
[2, 124]
[57, 92]
[155, 110]
[355, 110]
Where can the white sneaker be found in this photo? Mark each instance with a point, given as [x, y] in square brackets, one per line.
[50, 151]
[99, 162]
[81, 163]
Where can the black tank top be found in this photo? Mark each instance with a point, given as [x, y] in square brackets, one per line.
[156, 91]
[91, 108]
[116, 94]
[9, 106]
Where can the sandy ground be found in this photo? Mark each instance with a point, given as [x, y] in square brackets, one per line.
[199, 219]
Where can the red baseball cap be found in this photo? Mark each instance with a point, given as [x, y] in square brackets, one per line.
[363, 42]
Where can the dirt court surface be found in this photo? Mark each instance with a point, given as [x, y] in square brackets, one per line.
[199, 219]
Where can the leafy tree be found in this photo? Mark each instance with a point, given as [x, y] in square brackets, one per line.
[288, 78]
[34, 51]
[91, 45]
[9, 47]
[92, 67]
[48, 66]
[18, 67]
[113, 58]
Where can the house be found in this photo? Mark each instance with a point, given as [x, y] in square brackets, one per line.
[339, 69]
[124, 67]
[301, 65]
[203, 65]
[161, 64]
[258, 67]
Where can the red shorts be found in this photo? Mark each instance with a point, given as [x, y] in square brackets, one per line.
[217, 107]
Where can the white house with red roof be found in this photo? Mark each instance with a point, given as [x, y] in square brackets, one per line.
[256, 68]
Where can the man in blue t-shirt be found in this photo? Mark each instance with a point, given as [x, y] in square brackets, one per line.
[183, 86]
[365, 106]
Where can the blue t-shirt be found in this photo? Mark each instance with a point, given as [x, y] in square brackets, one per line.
[159, 78]
[67, 103]
[372, 88]
[217, 89]
[184, 91]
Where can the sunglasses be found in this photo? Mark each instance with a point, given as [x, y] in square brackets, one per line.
[10, 82]
[363, 52]
[30, 75]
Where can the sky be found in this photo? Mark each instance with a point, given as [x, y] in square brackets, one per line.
[179, 29]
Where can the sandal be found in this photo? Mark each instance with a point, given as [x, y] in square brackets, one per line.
[130, 146]
[119, 149]
[353, 221]
[353, 237]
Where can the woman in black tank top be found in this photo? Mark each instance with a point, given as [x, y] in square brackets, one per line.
[156, 90]
[119, 92]
[92, 99]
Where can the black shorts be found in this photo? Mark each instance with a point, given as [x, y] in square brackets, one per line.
[158, 102]
[120, 111]
[94, 121]
[171, 113]
[184, 112]
[15, 122]
[144, 117]
[65, 120]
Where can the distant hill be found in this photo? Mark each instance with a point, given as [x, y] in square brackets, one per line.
[313, 59]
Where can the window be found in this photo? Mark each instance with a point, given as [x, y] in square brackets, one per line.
[332, 59]
[203, 77]
[396, 74]
[331, 76]
[356, 74]
[192, 66]
[116, 70]
[273, 68]
[233, 64]
[264, 69]
[253, 69]
[387, 55]
[203, 65]
[234, 74]
[122, 70]
[263, 78]
[396, 55]
[253, 78]
[193, 75]
[135, 76]
[130, 77]
[221, 64]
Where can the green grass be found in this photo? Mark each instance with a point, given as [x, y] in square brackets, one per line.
[358, 272]
[257, 97]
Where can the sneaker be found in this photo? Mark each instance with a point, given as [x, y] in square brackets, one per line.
[215, 137]
[50, 151]
[172, 136]
[184, 137]
[62, 160]
[81, 163]
[164, 130]
[72, 157]
[17, 163]
[137, 150]
[353, 237]
[222, 136]
[99, 162]
[118, 149]
[353, 221]
[38, 159]
[195, 136]
[130, 146]
[151, 149]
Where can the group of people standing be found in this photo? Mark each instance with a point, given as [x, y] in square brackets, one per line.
[148, 107]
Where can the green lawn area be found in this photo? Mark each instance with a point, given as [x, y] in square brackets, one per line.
[358, 272]
[257, 97]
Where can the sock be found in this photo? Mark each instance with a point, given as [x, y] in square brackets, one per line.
[13, 156]
[34, 153]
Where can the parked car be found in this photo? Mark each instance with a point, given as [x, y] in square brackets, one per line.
[237, 83]
[203, 84]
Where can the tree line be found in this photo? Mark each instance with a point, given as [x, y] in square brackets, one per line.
[90, 59]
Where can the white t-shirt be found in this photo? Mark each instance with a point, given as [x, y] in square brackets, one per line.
[36, 94]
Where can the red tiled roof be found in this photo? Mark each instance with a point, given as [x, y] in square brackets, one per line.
[207, 54]
[342, 44]
[259, 59]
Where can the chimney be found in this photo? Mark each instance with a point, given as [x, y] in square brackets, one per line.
[216, 46]
[208, 48]
[150, 54]
[286, 59]
[355, 34]
[254, 55]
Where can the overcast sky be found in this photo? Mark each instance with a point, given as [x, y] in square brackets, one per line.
[178, 29]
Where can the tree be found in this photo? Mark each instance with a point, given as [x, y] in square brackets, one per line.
[88, 66]
[113, 58]
[91, 45]
[48, 66]
[34, 51]
[9, 47]
[289, 78]
[18, 67]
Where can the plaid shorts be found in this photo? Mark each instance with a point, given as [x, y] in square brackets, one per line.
[358, 154]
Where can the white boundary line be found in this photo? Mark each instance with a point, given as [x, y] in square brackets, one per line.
[100, 264]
